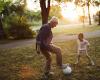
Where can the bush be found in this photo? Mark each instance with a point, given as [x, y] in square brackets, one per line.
[19, 28]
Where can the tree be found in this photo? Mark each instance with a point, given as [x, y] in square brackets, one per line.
[97, 3]
[82, 3]
[55, 11]
[2, 33]
[99, 18]
[88, 5]
[45, 9]
[3, 11]
[6, 8]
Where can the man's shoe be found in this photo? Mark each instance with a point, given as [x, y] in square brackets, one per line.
[49, 73]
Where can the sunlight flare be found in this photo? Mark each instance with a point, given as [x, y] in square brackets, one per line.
[71, 12]
[33, 5]
[30, 5]
[68, 11]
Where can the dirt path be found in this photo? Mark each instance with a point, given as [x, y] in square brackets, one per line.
[58, 38]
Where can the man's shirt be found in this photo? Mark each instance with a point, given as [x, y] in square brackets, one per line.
[45, 34]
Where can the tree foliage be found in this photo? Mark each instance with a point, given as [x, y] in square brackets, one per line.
[97, 3]
[55, 11]
[83, 3]
[14, 21]
[19, 28]
[3, 11]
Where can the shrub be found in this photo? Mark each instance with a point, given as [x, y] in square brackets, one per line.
[19, 28]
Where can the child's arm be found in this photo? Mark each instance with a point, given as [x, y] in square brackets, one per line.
[88, 45]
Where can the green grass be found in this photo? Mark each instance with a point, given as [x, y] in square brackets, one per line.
[25, 64]
[63, 29]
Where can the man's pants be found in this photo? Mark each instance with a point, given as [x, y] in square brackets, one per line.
[53, 49]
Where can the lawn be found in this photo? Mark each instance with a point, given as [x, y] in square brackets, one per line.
[74, 29]
[24, 64]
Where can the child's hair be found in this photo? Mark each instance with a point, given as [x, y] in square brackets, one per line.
[80, 36]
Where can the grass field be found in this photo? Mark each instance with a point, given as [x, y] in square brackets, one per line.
[74, 29]
[24, 64]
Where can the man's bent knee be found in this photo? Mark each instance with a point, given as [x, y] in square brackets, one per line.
[58, 51]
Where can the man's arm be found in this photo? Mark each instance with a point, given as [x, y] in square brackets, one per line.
[44, 33]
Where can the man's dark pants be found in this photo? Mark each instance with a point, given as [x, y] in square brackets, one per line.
[46, 52]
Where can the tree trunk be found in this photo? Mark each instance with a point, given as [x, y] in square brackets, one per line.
[44, 11]
[99, 18]
[83, 16]
[2, 34]
[89, 13]
[44, 17]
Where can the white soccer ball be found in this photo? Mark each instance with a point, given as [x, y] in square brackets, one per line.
[67, 70]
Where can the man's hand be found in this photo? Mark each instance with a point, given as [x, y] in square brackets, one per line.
[38, 52]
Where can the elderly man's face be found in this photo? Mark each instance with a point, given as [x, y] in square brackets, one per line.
[54, 24]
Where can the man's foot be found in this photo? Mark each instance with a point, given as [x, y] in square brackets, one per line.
[92, 63]
[49, 73]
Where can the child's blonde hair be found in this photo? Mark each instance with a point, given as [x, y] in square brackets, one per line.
[80, 36]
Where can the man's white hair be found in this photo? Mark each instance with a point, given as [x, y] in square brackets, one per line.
[54, 19]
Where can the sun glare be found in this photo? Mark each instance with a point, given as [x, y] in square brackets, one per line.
[33, 5]
[30, 5]
[70, 12]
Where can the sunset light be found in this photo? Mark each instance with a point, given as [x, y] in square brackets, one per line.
[68, 11]
[32, 6]
[71, 12]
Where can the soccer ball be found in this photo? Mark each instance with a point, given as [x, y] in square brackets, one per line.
[67, 70]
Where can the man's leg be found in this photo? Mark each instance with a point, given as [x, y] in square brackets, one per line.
[48, 60]
[57, 51]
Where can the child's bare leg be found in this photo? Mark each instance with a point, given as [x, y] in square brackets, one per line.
[89, 58]
[78, 58]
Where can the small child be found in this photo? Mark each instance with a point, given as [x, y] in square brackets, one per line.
[83, 44]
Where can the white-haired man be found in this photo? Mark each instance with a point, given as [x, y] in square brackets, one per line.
[43, 40]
